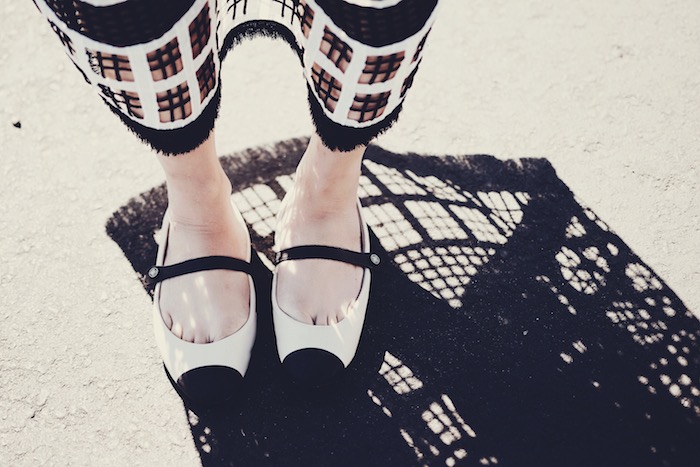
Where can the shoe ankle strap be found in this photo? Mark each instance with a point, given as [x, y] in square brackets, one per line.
[207, 263]
[363, 260]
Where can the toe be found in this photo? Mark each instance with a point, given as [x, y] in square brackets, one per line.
[201, 337]
[188, 334]
[176, 329]
[167, 319]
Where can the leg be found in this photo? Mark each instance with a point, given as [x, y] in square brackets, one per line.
[210, 305]
[353, 98]
[321, 209]
[159, 74]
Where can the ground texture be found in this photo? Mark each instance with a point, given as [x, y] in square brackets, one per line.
[608, 94]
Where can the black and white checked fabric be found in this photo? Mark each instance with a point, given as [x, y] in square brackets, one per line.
[147, 59]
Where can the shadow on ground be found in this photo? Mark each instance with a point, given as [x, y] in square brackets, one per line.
[510, 327]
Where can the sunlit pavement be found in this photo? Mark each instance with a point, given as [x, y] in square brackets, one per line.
[607, 93]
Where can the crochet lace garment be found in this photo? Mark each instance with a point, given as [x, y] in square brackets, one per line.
[157, 63]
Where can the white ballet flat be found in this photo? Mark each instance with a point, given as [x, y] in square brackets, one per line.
[204, 373]
[313, 354]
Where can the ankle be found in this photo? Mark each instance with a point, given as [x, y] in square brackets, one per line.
[317, 203]
[326, 178]
[205, 184]
[200, 202]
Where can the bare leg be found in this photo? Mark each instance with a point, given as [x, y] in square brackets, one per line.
[322, 210]
[209, 305]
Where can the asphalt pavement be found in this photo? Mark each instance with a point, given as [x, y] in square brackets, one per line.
[608, 93]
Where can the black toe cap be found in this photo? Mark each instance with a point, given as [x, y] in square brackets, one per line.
[312, 367]
[210, 385]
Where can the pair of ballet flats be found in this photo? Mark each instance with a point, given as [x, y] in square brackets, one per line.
[212, 373]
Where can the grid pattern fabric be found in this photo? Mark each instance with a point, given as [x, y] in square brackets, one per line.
[159, 52]
[200, 31]
[174, 104]
[381, 25]
[336, 50]
[206, 76]
[327, 88]
[306, 17]
[381, 68]
[63, 37]
[113, 66]
[122, 24]
[126, 101]
[368, 107]
[165, 61]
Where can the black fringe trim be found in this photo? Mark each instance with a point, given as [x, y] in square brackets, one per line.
[260, 28]
[122, 24]
[343, 138]
[379, 26]
[181, 140]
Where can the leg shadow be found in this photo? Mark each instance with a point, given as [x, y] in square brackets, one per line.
[508, 325]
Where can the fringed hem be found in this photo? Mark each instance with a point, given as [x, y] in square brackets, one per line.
[342, 138]
[188, 138]
[180, 140]
[259, 28]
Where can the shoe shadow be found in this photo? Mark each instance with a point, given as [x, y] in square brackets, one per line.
[507, 325]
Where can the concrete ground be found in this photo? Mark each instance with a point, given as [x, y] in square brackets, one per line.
[608, 92]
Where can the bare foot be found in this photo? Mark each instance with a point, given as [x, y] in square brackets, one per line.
[320, 210]
[204, 306]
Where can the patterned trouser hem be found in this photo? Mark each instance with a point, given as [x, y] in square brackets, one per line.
[157, 63]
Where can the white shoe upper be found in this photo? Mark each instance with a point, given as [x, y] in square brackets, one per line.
[180, 356]
[342, 338]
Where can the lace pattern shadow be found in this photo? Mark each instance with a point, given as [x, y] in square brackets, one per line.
[511, 326]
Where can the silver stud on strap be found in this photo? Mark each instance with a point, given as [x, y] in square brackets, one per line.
[153, 272]
[374, 258]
